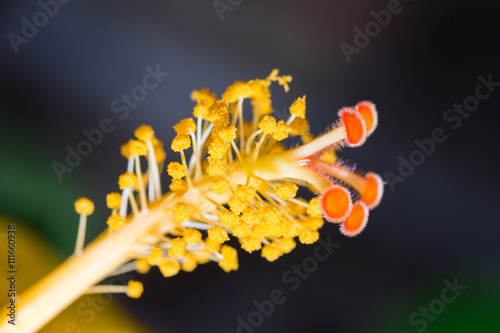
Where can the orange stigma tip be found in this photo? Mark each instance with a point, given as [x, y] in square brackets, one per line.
[369, 113]
[336, 204]
[374, 189]
[354, 125]
[356, 221]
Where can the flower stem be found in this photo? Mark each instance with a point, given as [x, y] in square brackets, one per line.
[74, 277]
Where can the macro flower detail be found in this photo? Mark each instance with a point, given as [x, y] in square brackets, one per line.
[238, 188]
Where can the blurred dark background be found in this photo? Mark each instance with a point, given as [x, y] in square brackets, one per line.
[441, 223]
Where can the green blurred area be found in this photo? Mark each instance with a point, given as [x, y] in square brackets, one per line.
[31, 193]
[476, 309]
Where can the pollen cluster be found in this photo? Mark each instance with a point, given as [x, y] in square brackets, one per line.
[239, 186]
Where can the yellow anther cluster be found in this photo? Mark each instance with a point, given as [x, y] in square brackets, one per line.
[246, 192]
[177, 248]
[298, 107]
[127, 180]
[282, 131]
[237, 90]
[286, 191]
[271, 251]
[138, 148]
[299, 126]
[308, 236]
[185, 127]
[228, 218]
[250, 216]
[286, 244]
[230, 261]
[226, 133]
[181, 142]
[217, 235]
[189, 263]
[284, 81]
[180, 211]
[213, 245]
[142, 265]
[314, 208]
[155, 256]
[176, 170]
[261, 99]
[313, 223]
[237, 204]
[125, 150]
[84, 206]
[204, 99]
[268, 125]
[134, 289]
[216, 167]
[169, 267]
[192, 236]
[144, 133]
[178, 186]
[203, 96]
[114, 200]
[116, 221]
[219, 113]
[218, 148]
[250, 244]
[220, 185]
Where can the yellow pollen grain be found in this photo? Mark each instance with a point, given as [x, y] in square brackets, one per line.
[246, 192]
[116, 221]
[298, 126]
[177, 248]
[308, 236]
[218, 148]
[189, 263]
[181, 142]
[169, 267]
[217, 235]
[180, 211]
[142, 265]
[286, 245]
[176, 170]
[227, 133]
[314, 208]
[134, 289]
[282, 131]
[237, 90]
[144, 133]
[228, 218]
[84, 206]
[178, 186]
[215, 167]
[203, 95]
[155, 256]
[138, 148]
[268, 125]
[237, 204]
[192, 236]
[185, 127]
[127, 180]
[271, 252]
[230, 261]
[114, 200]
[220, 185]
[286, 191]
[250, 244]
[298, 107]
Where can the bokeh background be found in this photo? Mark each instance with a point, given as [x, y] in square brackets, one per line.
[441, 223]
